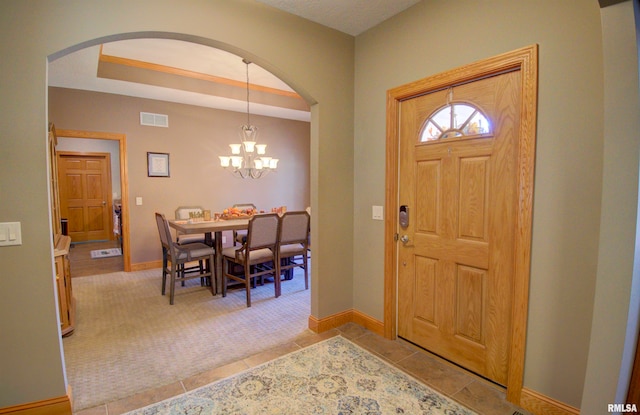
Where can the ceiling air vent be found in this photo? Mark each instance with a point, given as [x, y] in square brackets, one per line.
[154, 120]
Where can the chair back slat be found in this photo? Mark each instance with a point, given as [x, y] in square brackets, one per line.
[245, 206]
[294, 227]
[262, 231]
[163, 230]
[183, 212]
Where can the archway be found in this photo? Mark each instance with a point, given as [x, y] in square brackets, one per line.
[129, 36]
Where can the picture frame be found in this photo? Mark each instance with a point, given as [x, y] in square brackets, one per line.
[157, 164]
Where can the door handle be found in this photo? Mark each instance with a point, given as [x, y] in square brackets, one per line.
[404, 239]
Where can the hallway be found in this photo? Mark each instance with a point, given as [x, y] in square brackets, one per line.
[83, 265]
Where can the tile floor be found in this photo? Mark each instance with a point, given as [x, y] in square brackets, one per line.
[475, 393]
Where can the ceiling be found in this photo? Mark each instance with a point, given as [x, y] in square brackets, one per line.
[349, 16]
[189, 73]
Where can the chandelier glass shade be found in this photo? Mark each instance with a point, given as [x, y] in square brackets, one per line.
[248, 158]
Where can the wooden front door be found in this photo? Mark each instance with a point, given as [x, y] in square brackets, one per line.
[85, 195]
[458, 180]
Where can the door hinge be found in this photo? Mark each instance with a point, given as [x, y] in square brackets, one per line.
[396, 237]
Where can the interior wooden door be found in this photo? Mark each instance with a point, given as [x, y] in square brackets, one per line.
[85, 195]
[459, 186]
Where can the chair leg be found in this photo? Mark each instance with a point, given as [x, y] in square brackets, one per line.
[306, 272]
[164, 270]
[225, 271]
[247, 284]
[213, 279]
[276, 277]
[172, 289]
[181, 273]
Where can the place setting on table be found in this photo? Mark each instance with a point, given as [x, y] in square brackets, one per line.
[232, 218]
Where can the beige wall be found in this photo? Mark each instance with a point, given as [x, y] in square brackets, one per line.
[194, 139]
[316, 61]
[438, 35]
[617, 299]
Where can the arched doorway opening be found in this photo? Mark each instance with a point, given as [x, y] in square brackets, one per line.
[130, 170]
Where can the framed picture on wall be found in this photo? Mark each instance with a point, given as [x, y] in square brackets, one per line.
[157, 164]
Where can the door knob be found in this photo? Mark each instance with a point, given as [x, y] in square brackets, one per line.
[404, 239]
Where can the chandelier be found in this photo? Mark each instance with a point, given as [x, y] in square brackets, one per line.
[248, 159]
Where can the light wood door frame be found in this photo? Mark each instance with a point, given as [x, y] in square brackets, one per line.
[124, 180]
[526, 61]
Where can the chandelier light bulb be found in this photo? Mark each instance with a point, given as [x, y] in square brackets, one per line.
[266, 161]
[236, 161]
[249, 146]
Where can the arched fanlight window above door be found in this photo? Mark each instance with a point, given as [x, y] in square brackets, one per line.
[455, 120]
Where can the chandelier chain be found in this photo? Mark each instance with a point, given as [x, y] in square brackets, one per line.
[248, 113]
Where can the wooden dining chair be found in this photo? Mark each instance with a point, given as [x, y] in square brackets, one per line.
[293, 242]
[182, 213]
[179, 255]
[239, 236]
[257, 256]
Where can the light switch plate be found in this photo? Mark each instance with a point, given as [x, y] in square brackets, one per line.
[138, 201]
[10, 233]
[377, 213]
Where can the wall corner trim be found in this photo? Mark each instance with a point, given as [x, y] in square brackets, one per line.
[540, 404]
[348, 316]
[54, 406]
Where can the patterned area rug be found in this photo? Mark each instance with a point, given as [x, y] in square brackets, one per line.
[331, 377]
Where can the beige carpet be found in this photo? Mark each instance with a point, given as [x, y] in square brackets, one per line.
[129, 339]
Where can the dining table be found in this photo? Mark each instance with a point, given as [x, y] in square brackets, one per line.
[212, 230]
